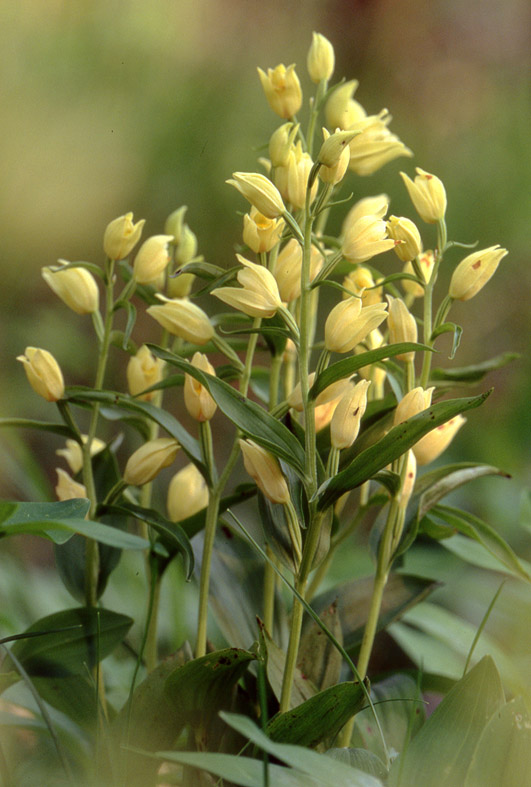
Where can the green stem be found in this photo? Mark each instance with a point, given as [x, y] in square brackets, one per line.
[428, 303]
[269, 591]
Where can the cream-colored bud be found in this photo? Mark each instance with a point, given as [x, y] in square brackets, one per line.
[332, 393]
[409, 480]
[187, 247]
[187, 494]
[288, 269]
[282, 90]
[474, 272]
[334, 156]
[366, 238]
[360, 282]
[265, 471]
[148, 460]
[121, 236]
[73, 453]
[413, 403]
[321, 59]
[434, 443]
[349, 323]
[260, 192]
[197, 399]
[258, 295]
[375, 146]
[175, 222]
[67, 488]
[402, 326]
[427, 194]
[345, 423]
[426, 263]
[183, 318]
[179, 285]
[406, 232]
[297, 172]
[368, 206]
[152, 259]
[143, 371]
[43, 373]
[341, 110]
[260, 233]
[374, 372]
[281, 142]
[75, 286]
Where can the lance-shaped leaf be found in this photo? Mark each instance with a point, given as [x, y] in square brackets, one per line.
[190, 446]
[347, 367]
[249, 417]
[453, 480]
[475, 372]
[302, 688]
[319, 717]
[43, 426]
[71, 641]
[398, 440]
[59, 521]
[449, 327]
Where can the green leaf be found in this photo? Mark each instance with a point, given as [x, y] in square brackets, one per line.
[347, 367]
[362, 759]
[475, 372]
[73, 695]
[453, 480]
[327, 770]
[302, 688]
[172, 535]
[401, 712]
[131, 319]
[473, 527]
[449, 327]
[441, 752]
[58, 522]
[249, 417]
[72, 641]
[472, 471]
[398, 440]
[43, 426]
[79, 395]
[202, 687]
[503, 753]
[354, 598]
[318, 660]
[319, 717]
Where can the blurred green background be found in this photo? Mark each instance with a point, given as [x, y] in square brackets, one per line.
[110, 106]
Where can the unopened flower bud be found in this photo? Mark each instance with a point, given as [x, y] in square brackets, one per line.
[75, 286]
[179, 285]
[474, 272]
[260, 233]
[282, 90]
[374, 372]
[375, 145]
[406, 232]
[281, 142]
[297, 172]
[121, 236]
[43, 373]
[426, 262]
[402, 326]
[187, 247]
[258, 295]
[182, 318]
[187, 494]
[152, 259]
[143, 371]
[368, 206]
[348, 324]
[331, 393]
[360, 282]
[413, 403]
[435, 442]
[73, 453]
[366, 238]
[341, 110]
[288, 269]
[427, 194]
[149, 460]
[409, 480]
[265, 471]
[67, 488]
[197, 399]
[321, 59]
[260, 192]
[345, 424]
[175, 222]
[334, 156]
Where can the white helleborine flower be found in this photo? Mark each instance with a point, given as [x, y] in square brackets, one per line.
[282, 90]
[321, 59]
[187, 494]
[258, 295]
[197, 399]
[260, 192]
[43, 373]
[366, 238]
[345, 423]
[67, 488]
[265, 471]
[148, 460]
[182, 318]
[73, 453]
[427, 194]
[402, 326]
[121, 236]
[474, 272]
[349, 323]
[435, 442]
[75, 286]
